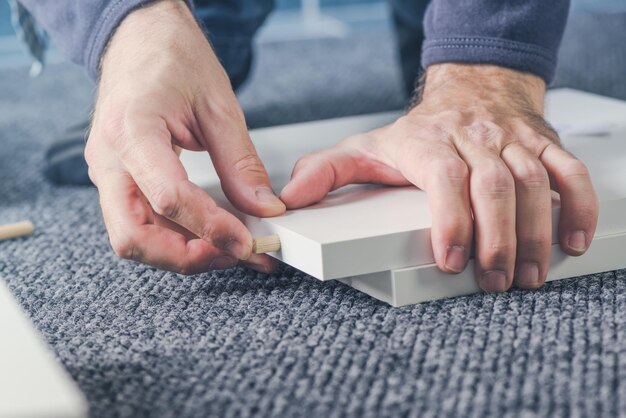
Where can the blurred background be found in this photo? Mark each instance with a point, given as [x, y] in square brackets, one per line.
[322, 17]
[355, 14]
[313, 59]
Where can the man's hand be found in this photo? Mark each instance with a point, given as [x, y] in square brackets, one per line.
[478, 145]
[162, 87]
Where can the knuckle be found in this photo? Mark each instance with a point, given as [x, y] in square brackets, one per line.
[90, 153]
[494, 179]
[112, 128]
[533, 244]
[455, 230]
[453, 169]
[485, 131]
[444, 120]
[550, 135]
[531, 173]
[498, 253]
[325, 169]
[438, 129]
[165, 201]
[91, 172]
[223, 111]
[574, 168]
[249, 163]
[185, 269]
[537, 143]
[124, 246]
[306, 160]
[208, 231]
[125, 128]
[587, 211]
[453, 115]
[538, 124]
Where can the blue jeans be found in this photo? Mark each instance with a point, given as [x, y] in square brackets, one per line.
[231, 26]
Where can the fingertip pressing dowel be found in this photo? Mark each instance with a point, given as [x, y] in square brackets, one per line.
[268, 244]
[15, 230]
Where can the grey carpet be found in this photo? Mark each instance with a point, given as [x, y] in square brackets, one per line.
[142, 342]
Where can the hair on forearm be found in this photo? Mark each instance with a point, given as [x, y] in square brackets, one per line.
[418, 91]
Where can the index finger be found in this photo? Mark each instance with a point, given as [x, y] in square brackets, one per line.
[134, 236]
[159, 174]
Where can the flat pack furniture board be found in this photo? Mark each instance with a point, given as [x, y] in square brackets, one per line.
[401, 287]
[32, 383]
[377, 238]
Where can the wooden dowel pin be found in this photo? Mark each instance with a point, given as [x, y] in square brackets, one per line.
[268, 244]
[15, 230]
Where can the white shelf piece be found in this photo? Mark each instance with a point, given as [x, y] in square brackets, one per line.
[425, 283]
[363, 229]
[32, 383]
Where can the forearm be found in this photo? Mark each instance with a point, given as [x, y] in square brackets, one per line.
[82, 29]
[469, 85]
[523, 36]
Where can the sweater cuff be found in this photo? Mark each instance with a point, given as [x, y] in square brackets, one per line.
[496, 51]
[109, 20]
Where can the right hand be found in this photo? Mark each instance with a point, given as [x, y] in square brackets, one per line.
[161, 88]
[478, 145]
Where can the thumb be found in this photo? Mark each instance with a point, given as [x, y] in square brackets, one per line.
[241, 172]
[316, 175]
[313, 177]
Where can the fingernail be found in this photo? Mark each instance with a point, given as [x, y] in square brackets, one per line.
[527, 274]
[237, 250]
[222, 262]
[455, 259]
[577, 241]
[493, 281]
[267, 196]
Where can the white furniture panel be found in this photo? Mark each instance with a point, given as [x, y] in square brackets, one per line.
[32, 383]
[425, 283]
[364, 229]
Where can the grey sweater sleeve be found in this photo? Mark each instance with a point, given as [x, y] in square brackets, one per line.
[520, 34]
[82, 28]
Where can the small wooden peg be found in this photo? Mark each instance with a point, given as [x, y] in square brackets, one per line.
[268, 244]
[15, 230]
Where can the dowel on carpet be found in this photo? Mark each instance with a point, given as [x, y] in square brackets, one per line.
[16, 230]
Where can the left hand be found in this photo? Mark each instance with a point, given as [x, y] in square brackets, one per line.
[162, 87]
[477, 144]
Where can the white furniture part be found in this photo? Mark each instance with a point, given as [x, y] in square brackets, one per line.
[425, 283]
[32, 382]
[370, 233]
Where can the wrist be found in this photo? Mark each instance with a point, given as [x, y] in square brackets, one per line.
[156, 16]
[469, 85]
[158, 25]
